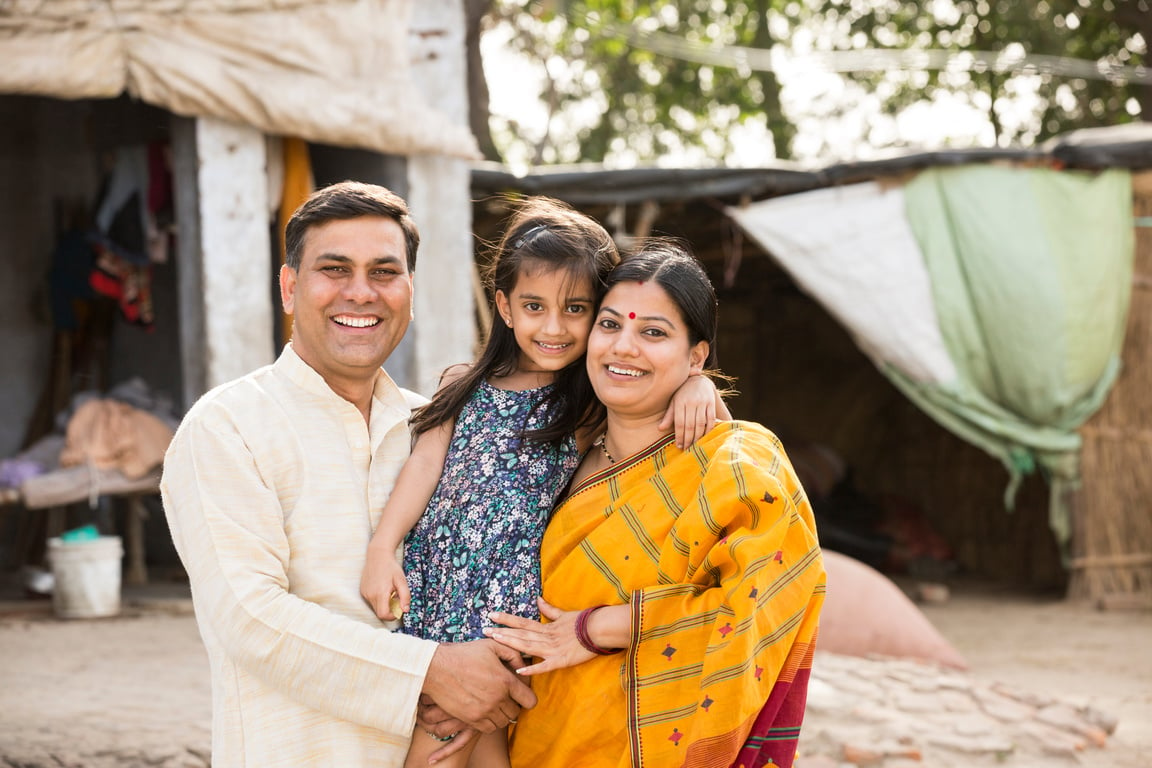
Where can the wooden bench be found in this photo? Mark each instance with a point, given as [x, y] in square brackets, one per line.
[68, 486]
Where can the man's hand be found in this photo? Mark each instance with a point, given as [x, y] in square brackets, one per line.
[472, 682]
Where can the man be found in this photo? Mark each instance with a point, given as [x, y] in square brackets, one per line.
[272, 487]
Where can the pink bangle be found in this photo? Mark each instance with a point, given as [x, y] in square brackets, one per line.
[582, 634]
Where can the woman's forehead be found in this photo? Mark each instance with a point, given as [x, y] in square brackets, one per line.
[642, 298]
[638, 290]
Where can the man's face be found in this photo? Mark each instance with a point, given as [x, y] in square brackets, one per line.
[351, 299]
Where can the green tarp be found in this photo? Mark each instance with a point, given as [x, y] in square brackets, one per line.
[1031, 273]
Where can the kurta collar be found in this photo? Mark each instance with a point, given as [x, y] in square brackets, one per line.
[388, 401]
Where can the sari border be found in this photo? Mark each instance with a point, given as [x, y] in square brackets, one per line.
[623, 464]
[637, 755]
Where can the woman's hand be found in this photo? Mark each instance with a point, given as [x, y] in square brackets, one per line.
[554, 642]
[382, 579]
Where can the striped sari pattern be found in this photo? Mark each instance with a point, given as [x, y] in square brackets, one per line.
[715, 550]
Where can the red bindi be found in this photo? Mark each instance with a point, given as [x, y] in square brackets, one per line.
[631, 315]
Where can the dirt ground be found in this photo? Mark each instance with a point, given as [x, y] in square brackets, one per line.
[1054, 647]
[133, 690]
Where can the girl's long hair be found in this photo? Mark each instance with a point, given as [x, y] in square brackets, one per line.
[541, 234]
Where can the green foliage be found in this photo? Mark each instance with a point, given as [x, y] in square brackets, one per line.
[647, 104]
[609, 93]
[1112, 32]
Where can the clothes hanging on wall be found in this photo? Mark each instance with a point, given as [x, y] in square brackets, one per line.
[129, 284]
[134, 225]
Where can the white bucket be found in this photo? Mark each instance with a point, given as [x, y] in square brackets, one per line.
[87, 575]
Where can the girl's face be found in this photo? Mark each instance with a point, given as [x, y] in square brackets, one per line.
[550, 313]
[640, 350]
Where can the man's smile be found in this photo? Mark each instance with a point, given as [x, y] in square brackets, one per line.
[353, 321]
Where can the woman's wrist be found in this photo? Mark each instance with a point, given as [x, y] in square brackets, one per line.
[584, 637]
[605, 629]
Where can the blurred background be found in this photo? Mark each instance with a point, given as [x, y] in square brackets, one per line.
[928, 223]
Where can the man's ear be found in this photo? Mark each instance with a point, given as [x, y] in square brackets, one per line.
[504, 308]
[697, 356]
[287, 288]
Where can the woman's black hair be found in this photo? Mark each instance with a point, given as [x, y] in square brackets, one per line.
[542, 234]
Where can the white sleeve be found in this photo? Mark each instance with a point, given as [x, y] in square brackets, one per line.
[228, 527]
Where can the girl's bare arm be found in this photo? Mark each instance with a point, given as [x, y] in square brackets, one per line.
[383, 576]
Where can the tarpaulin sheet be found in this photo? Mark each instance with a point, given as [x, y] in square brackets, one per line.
[994, 297]
[335, 72]
[851, 248]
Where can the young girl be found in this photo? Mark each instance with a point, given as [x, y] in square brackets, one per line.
[497, 445]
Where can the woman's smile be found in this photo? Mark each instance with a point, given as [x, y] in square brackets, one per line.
[626, 371]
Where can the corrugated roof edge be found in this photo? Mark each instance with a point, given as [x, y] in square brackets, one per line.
[1122, 146]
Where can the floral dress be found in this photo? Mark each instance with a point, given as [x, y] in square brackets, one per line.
[477, 547]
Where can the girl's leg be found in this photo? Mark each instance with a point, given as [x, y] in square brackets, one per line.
[491, 751]
[424, 744]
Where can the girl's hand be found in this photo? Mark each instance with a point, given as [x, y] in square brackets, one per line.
[554, 642]
[384, 587]
[438, 723]
[692, 411]
[453, 745]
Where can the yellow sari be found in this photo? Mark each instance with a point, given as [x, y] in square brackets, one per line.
[715, 549]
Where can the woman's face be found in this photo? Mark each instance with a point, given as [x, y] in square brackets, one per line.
[640, 350]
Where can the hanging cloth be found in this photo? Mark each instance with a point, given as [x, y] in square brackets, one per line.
[994, 297]
[298, 185]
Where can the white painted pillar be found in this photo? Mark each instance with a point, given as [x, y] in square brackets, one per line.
[439, 195]
[226, 266]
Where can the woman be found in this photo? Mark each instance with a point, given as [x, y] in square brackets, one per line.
[686, 585]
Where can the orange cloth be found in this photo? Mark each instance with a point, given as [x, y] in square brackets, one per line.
[298, 185]
[716, 551]
[114, 435]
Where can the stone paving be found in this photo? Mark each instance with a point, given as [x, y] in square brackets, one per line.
[133, 691]
[893, 713]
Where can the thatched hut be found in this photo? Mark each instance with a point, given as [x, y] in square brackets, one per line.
[1112, 556]
[801, 373]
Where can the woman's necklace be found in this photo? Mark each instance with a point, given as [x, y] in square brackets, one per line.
[601, 443]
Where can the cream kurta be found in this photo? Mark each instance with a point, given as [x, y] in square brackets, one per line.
[272, 487]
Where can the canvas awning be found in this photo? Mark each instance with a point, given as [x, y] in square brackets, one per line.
[335, 72]
[993, 297]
